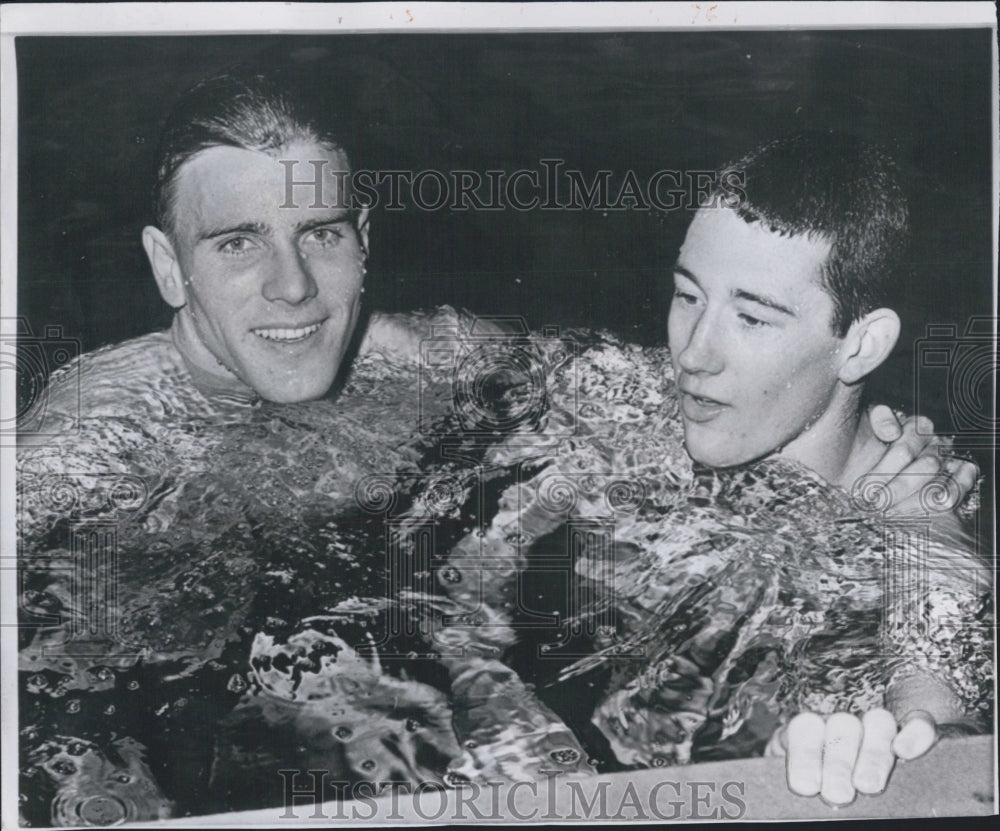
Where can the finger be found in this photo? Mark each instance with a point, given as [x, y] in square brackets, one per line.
[841, 744]
[804, 762]
[908, 483]
[916, 735]
[778, 743]
[875, 759]
[940, 495]
[885, 425]
[917, 434]
[965, 475]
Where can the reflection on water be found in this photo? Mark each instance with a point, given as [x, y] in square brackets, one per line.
[275, 607]
[93, 787]
[345, 714]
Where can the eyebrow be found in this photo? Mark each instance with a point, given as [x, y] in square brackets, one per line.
[740, 294]
[242, 228]
[310, 224]
[264, 229]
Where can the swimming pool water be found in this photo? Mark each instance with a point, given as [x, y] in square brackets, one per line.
[295, 587]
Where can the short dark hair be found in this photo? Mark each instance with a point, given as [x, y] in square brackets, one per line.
[839, 188]
[244, 108]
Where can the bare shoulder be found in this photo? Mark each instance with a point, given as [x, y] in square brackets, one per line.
[105, 380]
[399, 335]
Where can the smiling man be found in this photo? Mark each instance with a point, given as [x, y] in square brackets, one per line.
[179, 438]
[267, 297]
[266, 280]
[267, 293]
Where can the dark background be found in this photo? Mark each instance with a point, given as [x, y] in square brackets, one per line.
[91, 108]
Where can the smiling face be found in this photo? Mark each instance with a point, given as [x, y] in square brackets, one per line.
[752, 344]
[268, 296]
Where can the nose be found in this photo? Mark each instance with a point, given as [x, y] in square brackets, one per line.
[290, 279]
[701, 353]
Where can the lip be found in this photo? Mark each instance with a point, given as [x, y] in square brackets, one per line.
[284, 333]
[699, 408]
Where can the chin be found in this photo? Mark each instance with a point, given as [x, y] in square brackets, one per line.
[714, 454]
[296, 379]
[295, 393]
[722, 456]
[709, 459]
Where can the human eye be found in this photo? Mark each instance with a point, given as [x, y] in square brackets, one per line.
[237, 246]
[752, 322]
[683, 292]
[326, 236]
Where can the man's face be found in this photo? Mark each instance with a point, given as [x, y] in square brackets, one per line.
[272, 292]
[751, 340]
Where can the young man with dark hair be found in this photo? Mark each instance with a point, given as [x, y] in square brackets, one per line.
[783, 306]
[785, 284]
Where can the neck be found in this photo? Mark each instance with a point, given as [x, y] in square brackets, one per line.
[839, 445]
[209, 376]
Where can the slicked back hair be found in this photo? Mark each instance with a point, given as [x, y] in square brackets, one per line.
[243, 109]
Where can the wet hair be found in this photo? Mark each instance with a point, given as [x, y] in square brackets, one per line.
[246, 109]
[835, 187]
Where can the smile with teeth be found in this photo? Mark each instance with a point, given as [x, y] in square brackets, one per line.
[288, 335]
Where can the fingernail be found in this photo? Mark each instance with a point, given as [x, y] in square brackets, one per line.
[838, 795]
[916, 736]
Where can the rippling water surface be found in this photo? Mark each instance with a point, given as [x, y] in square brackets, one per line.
[295, 584]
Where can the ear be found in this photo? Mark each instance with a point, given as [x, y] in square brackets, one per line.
[868, 343]
[363, 224]
[166, 267]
